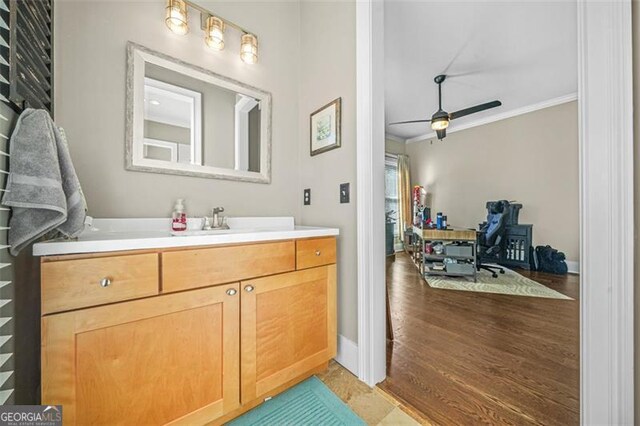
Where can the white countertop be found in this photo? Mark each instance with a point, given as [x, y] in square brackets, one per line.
[136, 234]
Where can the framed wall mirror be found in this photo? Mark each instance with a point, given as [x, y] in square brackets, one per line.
[186, 120]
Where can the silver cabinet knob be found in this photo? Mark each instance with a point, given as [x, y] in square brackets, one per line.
[105, 282]
[249, 288]
[318, 252]
[232, 291]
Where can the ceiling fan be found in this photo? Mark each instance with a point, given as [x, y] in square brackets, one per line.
[440, 119]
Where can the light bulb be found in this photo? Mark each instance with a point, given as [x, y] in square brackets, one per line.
[176, 19]
[249, 49]
[215, 33]
[439, 124]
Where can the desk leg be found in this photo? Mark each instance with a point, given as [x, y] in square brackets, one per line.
[475, 256]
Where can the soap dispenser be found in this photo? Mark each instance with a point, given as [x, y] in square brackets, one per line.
[179, 217]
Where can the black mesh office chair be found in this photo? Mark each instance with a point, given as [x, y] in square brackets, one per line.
[491, 238]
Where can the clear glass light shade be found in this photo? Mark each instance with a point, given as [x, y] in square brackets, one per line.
[249, 49]
[215, 33]
[176, 19]
[439, 124]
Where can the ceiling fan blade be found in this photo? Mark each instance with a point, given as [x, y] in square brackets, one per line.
[410, 121]
[474, 109]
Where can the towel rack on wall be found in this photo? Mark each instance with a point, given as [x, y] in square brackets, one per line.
[26, 80]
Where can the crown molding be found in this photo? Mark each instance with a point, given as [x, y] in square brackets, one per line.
[394, 138]
[508, 114]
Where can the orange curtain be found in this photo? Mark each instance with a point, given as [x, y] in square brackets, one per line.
[404, 194]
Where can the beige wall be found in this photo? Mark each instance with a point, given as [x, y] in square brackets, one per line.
[531, 158]
[307, 58]
[90, 40]
[327, 71]
[636, 135]
[394, 147]
[166, 132]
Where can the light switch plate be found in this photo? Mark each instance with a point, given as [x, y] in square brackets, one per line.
[345, 193]
[307, 197]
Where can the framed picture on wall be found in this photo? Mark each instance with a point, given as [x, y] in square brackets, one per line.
[326, 128]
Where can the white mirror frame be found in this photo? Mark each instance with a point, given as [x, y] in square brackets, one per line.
[137, 56]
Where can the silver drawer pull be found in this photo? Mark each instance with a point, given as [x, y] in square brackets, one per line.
[105, 282]
[318, 253]
[232, 292]
[249, 288]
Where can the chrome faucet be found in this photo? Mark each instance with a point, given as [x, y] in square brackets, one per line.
[216, 222]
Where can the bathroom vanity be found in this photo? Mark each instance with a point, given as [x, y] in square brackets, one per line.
[183, 330]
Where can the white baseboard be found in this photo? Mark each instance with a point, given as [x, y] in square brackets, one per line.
[347, 354]
[573, 266]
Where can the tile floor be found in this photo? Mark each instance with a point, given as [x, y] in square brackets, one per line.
[373, 405]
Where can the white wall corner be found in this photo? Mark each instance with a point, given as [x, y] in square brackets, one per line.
[372, 359]
[573, 266]
[605, 97]
[347, 354]
[394, 138]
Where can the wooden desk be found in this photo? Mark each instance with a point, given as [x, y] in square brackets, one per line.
[445, 234]
[423, 259]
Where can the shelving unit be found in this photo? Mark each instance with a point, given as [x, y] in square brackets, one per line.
[424, 261]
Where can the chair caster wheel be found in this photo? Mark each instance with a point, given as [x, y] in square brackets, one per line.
[502, 271]
[495, 275]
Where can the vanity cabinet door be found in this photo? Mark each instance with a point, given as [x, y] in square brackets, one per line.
[288, 327]
[167, 359]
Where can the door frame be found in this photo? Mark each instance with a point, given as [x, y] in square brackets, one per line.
[605, 105]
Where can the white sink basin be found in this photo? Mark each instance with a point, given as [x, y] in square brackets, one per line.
[240, 225]
[194, 232]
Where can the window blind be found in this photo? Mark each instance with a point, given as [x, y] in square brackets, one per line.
[26, 81]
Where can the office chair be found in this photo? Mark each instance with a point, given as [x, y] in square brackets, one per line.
[491, 237]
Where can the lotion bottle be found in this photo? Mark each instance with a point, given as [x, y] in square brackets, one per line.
[179, 217]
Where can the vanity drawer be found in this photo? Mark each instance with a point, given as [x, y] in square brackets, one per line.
[79, 283]
[315, 252]
[185, 269]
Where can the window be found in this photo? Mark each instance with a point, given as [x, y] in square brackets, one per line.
[391, 194]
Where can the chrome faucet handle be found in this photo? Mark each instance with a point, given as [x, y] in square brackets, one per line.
[217, 210]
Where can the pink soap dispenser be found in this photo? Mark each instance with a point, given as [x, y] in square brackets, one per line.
[179, 216]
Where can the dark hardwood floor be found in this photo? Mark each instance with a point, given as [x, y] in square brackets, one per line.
[469, 358]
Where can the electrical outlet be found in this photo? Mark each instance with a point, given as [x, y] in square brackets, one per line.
[345, 193]
[307, 197]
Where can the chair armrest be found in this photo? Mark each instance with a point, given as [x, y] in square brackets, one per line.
[493, 250]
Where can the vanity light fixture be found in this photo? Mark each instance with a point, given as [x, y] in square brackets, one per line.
[176, 18]
[249, 49]
[215, 33]
[213, 27]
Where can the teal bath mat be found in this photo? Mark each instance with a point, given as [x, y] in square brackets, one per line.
[309, 403]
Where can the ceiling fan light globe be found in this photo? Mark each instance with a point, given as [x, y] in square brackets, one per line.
[439, 124]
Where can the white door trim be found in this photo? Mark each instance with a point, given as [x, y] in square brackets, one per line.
[370, 191]
[606, 201]
[605, 99]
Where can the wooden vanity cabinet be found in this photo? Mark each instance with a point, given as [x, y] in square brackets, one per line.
[198, 356]
[149, 361]
[288, 326]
